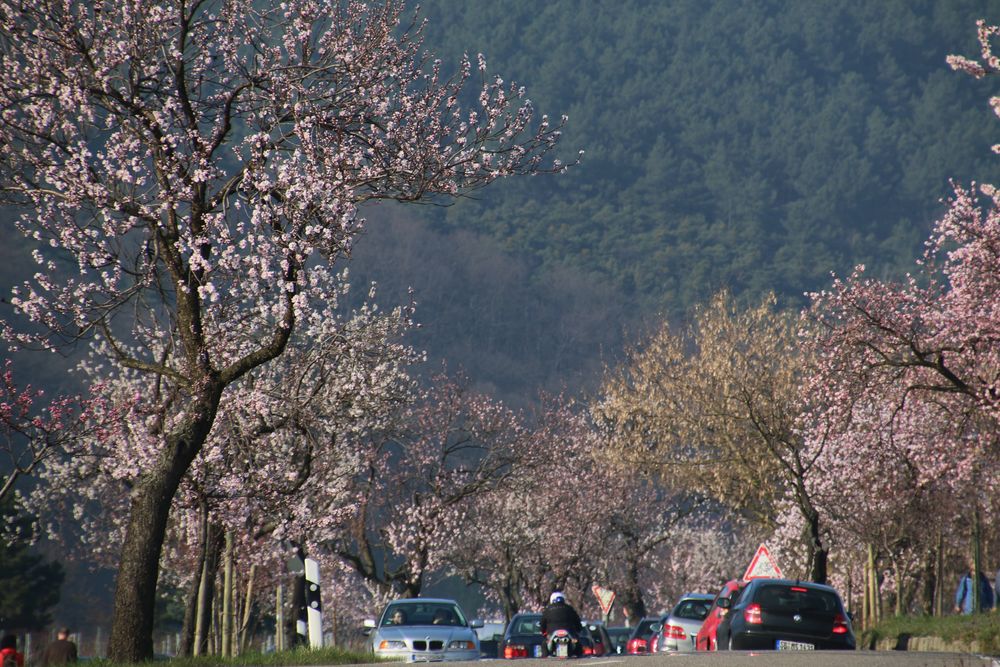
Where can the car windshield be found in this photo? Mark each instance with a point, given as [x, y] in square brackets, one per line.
[796, 599]
[527, 625]
[695, 610]
[423, 613]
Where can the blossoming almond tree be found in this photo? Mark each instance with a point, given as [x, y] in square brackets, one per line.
[31, 435]
[904, 358]
[419, 479]
[274, 468]
[191, 171]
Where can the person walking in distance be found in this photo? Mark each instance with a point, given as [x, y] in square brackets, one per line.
[60, 652]
[964, 593]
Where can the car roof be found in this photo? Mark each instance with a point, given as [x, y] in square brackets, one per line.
[696, 596]
[420, 600]
[760, 581]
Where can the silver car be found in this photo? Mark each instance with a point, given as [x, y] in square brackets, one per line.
[424, 630]
[680, 628]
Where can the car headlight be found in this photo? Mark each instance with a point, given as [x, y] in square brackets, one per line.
[462, 645]
[390, 644]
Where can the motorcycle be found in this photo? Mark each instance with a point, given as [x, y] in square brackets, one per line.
[562, 644]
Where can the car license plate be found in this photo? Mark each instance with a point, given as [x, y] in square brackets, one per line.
[783, 645]
[537, 650]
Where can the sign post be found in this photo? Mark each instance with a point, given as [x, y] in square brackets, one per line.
[605, 598]
[762, 565]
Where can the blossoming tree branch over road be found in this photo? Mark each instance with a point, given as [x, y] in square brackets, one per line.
[191, 172]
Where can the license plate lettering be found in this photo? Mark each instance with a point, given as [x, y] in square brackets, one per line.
[784, 645]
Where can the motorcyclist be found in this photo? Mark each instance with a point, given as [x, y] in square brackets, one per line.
[560, 615]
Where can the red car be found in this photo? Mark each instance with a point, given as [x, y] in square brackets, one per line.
[705, 641]
[638, 641]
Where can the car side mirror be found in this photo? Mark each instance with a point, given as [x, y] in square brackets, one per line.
[476, 623]
[368, 623]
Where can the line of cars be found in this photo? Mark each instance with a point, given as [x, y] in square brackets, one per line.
[756, 614]
[759, 614]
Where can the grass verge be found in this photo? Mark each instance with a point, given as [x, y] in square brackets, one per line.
[301, 656]
[984, 628]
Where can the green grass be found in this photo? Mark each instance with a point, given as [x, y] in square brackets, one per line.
[301, 656]
[984, 628]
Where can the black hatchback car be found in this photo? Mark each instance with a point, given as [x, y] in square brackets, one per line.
[786, 615]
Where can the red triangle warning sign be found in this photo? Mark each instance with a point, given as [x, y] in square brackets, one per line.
[762, 565]
[605, 598]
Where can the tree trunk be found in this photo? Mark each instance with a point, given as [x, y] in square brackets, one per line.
[131, 638]
[939, 605]
[135, 589]
[206, 595]
[874, 594]
[818, 554]
[930, 583]
[227, 599]
[866, 598]
[633, 595]
[977, 604]
[279, 617]
[187, 640]
[244, 630]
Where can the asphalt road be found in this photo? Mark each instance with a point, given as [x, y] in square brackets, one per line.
[772, 659]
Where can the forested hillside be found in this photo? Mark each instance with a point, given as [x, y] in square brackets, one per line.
[756, 145]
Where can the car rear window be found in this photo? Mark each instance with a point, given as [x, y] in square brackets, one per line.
[797, 599]
[528, 626]
[695, 610]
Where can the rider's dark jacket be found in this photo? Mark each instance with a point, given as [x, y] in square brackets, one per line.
[560, 615]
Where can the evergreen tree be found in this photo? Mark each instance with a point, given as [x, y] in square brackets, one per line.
[29, 585]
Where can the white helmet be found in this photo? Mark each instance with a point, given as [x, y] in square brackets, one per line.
[556, 597]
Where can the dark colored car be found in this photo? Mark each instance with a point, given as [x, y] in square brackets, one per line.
[705, 640]
[619, 637]
[603, 644]
[638, 641]
[786, 615]
[588, 645]
[523, 638]
[653, 643]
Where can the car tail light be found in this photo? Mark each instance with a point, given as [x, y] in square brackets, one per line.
[674, 632]
[839, 624]
[515, 651]
[752, 614]
[588, 650]
[799, 589]
[637, 645]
